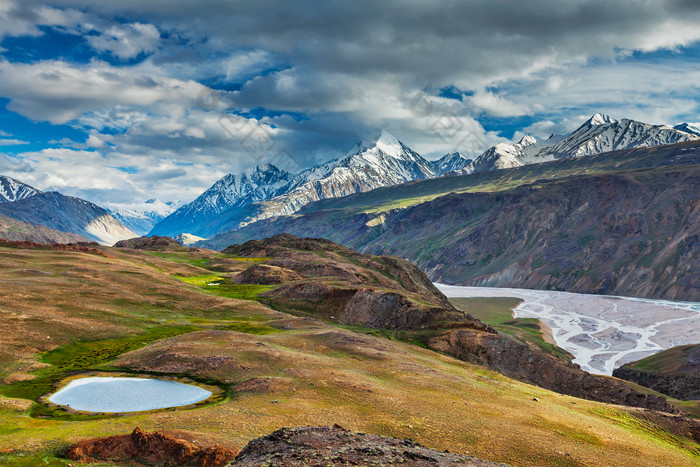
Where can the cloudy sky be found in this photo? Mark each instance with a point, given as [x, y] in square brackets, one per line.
[118, 102]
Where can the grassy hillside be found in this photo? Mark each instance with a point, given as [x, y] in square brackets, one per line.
[498, 312]
[138, 311]
[675, 371]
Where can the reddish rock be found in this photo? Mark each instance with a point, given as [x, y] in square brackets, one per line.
[149, 449]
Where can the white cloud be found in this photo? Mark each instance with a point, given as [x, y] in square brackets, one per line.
[126, 41]
[12, 142]
[59, 92]
[496, 105]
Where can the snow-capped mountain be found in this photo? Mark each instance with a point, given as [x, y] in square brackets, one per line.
[232, 192]
[689, 128]
[13, 190]
[598, 134]
[602, 133]
[265, 192]
[452, 162]
[142, 219]
[385, 161]
[509, 155]
[68, 214]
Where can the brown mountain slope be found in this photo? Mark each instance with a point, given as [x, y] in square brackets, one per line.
[13, 230]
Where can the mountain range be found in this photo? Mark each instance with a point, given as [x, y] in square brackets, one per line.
[142, 219]
[598, 134]
[265, 192]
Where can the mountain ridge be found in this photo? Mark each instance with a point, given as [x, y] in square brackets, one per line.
[68, 214]
[12, 190]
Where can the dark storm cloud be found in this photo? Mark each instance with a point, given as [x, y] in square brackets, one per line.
[435, 41]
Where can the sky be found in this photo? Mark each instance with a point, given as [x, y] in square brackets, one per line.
[120, 102]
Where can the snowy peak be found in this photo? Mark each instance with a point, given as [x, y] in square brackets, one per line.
[612, 135]
[599, 119]
[527, 140]
[389, 145]
[452, 162]
[598, 134]
[140, 219]
[230, 193]
[256, 184]
[384, 162]
[693, 129]
[12, 190]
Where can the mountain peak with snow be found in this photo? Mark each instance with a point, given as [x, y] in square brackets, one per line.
[232, 192]
[599, 119]
[452, 162]
[692, 128]
[527, 140]
[13, 190]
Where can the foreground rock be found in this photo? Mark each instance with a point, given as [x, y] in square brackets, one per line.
[326, 446]
[149, 449]
[288, 447]
[674, 372]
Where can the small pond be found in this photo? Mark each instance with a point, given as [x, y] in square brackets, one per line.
[124, 394]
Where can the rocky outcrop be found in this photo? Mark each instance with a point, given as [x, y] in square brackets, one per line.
[154, 243]
[524, 363]
[685, 387]
[320, 258]
[370, 308]
[288, 447]
[336, 446]
[149, 449]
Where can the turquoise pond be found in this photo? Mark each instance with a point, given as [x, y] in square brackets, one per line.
[126, 394]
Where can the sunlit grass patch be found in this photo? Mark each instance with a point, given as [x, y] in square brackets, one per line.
[225, 288]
